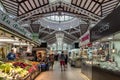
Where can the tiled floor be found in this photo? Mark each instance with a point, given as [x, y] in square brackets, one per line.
[57, 74]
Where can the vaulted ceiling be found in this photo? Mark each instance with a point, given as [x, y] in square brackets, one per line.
[29, 11]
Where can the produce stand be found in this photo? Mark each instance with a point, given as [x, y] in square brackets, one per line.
[31, 76]
[19, 70]
[28, 77]
[34, 74]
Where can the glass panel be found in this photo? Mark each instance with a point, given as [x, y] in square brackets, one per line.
[57, 18]
[60, 18]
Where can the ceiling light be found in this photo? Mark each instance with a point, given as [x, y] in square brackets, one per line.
[24, 25]
[48, 27]
[8, 40]
[20, 44]
[11, 16]
[59, 29]
[110, 38]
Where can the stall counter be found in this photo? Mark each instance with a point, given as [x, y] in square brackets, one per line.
[95, 72]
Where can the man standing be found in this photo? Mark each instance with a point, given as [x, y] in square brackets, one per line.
[11, 55]
[62, 60]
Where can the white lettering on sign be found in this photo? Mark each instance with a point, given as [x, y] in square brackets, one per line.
[8, 22]
[104, 28]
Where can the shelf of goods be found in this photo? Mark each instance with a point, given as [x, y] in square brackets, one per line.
[18, 70]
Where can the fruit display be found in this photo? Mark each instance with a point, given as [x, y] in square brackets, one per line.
[16, 70]
[20, 72]
[34, 63]
[4, 76]
[20, 64]
[7, 67]
[1, 62]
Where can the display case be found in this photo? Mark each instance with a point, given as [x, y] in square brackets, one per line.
[95, 70]
[103, 63]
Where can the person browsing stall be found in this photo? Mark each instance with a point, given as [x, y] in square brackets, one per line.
[11, 55]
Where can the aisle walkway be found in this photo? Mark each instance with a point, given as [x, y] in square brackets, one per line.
[56, 74]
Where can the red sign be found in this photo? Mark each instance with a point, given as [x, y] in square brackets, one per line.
[86, 37]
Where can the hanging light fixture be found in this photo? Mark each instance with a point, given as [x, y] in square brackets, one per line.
[59, 9]
[113, 46]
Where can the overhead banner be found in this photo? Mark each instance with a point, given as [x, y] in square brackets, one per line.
[107, 26]
[8, 22]
[85, 39]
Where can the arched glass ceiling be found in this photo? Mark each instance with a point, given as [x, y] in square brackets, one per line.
[59, 18]
[59, 21]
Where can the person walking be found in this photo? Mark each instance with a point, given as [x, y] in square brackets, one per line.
[62, 60]
[66, 60]
[52, 61]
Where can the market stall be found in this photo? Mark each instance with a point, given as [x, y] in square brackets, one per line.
[18, 70]
[105, 49]
[19, 40]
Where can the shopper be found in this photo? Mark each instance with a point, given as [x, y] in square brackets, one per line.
[18, 55]
[43, 65]
[66, 60]
[46, 59]
[52, 61]
[62, 60]
[39, 57]
[11, 55]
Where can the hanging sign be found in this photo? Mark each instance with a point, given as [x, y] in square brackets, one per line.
[85, 39]
[35, 36]
[8, 22]
[108, 26]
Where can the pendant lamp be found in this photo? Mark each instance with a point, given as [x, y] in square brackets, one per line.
[113, 46]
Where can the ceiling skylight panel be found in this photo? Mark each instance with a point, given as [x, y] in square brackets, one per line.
[45, 1]
[99, 9]
[87, 4]
[11, 5]
[95, 7]
[78, 2]
[27, 3]
[37, 3]
[91, 5]
[19, 13]
[111, 2]
[74, 1]
[24, 6]
[41, 2]
[21, 9]
[32, 3]
[10, 2]
[83, 2]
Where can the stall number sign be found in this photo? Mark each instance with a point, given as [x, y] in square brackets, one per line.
[4, 19]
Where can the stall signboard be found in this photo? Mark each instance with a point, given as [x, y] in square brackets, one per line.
[35, 36]
[108, 26]
[85, 39]
[8, 22]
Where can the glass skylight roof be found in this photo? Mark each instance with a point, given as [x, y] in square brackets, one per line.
[68, 1]
[59, 18]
